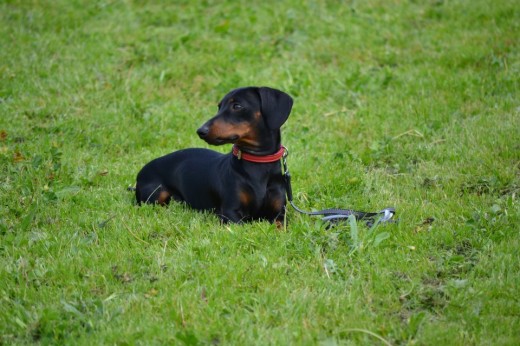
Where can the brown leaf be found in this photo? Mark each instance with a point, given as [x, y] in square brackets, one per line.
[18, 157]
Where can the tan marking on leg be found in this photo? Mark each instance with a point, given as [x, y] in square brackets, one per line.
[244, 197]
[277, 204]
[164, 197]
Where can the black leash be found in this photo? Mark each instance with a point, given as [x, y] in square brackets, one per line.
[335, 215]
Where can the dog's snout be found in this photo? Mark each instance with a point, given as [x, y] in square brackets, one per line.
[203, 131]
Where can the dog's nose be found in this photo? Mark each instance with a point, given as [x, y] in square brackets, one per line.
[203, 131]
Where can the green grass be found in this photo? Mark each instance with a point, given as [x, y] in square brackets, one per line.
[412, 104]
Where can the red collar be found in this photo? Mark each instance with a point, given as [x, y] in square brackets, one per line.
[258, 158]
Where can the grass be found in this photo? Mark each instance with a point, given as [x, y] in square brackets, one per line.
[412, 104]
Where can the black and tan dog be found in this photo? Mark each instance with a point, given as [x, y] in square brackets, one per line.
[244, 185]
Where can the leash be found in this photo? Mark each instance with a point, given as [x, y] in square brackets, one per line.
[335, 215]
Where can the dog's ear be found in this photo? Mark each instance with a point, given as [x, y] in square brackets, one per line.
[276, 106]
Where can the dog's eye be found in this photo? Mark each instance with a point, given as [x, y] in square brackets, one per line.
[236, 106]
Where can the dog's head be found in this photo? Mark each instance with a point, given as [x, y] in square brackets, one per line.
[249, 117]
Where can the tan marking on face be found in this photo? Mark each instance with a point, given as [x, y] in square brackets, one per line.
[164, 197]
[248, 141]
[244, 131]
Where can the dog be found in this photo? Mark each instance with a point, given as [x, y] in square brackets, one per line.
[242, 186]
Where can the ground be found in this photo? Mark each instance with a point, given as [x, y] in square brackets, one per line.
[410, 104]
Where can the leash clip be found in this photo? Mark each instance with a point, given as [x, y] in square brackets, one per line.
[388, 213]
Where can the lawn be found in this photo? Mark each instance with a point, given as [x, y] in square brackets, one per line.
[410, 104]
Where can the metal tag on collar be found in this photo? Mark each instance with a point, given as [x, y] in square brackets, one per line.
[284, 159]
